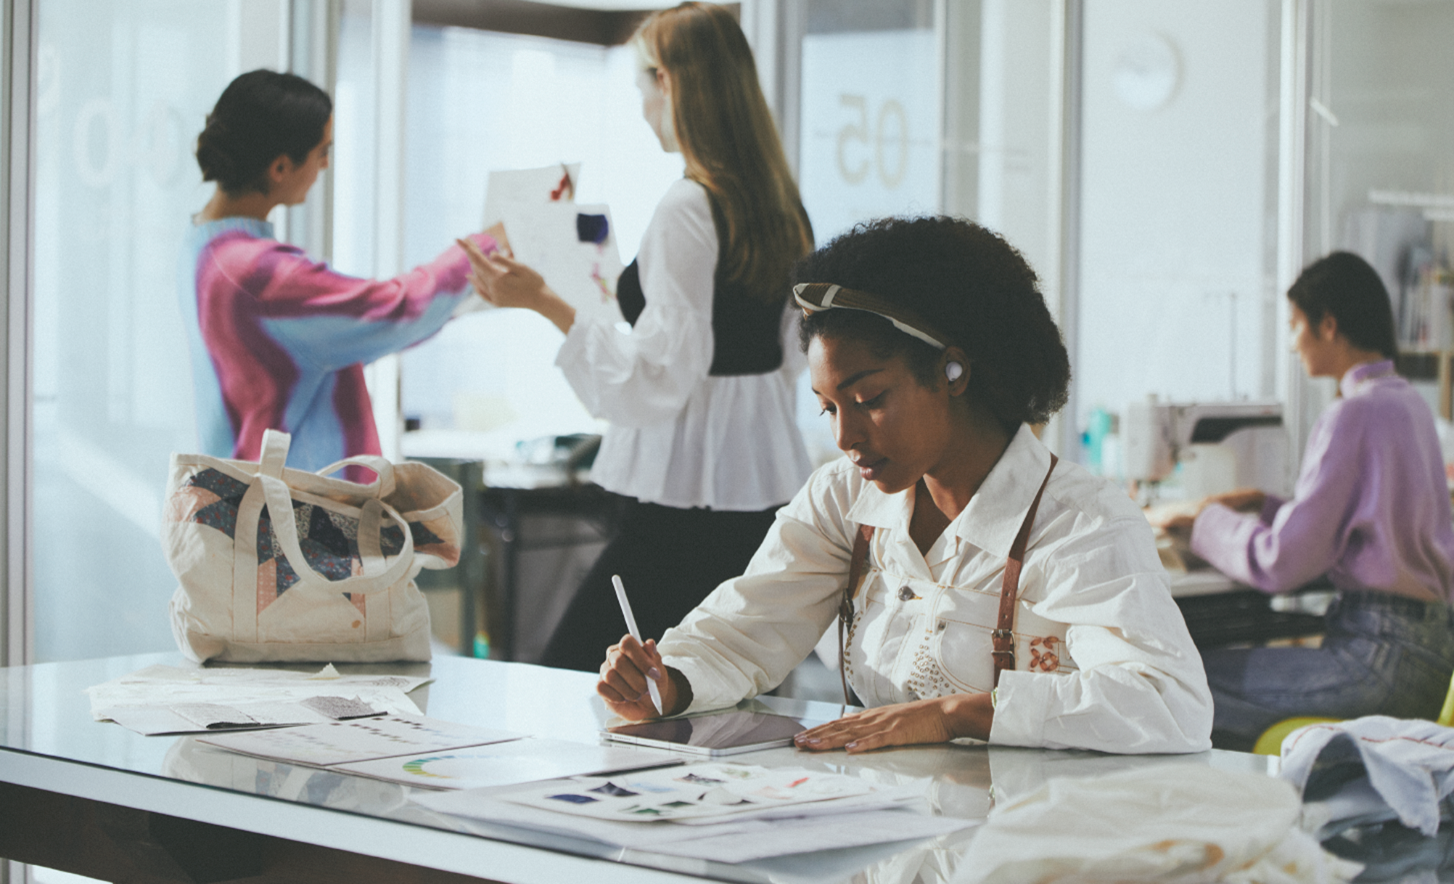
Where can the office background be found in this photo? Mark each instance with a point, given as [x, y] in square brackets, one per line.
[1167, 169]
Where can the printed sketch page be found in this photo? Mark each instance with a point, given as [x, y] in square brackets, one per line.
[572, 245]
[712, 789]
[321, 745]
[511, 187]
[186, 718]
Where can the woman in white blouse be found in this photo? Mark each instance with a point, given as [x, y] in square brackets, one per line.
[700, 393]
[998, 594]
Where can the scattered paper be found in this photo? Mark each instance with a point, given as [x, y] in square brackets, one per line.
[899, 815]
[342, 742]
[758, 839]
[501, 764]
[711, 789]
[570, 244]
[172, 700]
[187, 718]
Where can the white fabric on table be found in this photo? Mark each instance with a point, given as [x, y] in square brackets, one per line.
[1408, 763]
[1171, 822]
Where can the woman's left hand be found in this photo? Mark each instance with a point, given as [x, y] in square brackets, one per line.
[923, 721]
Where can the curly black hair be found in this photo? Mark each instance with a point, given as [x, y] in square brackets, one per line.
[969, 283]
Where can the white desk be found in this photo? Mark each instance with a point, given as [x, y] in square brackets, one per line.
[276, 819]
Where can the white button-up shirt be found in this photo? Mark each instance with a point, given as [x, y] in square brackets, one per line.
[1103, 658]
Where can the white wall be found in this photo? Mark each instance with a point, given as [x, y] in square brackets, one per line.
[1175, 214]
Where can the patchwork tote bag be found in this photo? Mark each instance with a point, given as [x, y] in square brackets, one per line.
[286, 565]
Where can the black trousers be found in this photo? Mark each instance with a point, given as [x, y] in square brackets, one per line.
[669, 560]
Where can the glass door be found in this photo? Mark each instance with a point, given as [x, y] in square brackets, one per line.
[122, 91]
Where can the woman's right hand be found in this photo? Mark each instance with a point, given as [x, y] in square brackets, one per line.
[505, 282]
[502, 280]
[629, 664]
[1243, 500]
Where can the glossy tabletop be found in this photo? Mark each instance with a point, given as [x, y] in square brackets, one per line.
[50, 742]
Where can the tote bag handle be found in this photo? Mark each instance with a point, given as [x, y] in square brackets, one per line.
[269, 488]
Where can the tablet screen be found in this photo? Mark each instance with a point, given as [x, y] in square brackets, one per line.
[718, 731]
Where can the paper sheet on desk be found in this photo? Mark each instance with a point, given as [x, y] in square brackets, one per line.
[694, 791]
[502, 764]
[343, 742]
[169, 699]
[893, 816]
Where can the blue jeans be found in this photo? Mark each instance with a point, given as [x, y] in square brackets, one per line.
[1382, 654]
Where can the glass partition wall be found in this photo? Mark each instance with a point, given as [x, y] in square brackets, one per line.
[913, 107]
[121, 93]
[1379, 178]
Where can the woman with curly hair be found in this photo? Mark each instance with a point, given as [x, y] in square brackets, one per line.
[985, 589]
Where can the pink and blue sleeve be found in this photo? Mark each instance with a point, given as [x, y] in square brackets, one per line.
[331, 320]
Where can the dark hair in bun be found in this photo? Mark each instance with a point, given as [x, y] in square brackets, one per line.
[970, 284]
[261, 116]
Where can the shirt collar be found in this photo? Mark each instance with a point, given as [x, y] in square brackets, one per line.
[1362, 373]
[873, 507]
[996, 510]
[259, 229]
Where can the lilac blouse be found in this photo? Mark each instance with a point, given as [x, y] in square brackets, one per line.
[1371, 506]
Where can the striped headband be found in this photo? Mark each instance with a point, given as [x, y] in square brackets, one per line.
[815, 297]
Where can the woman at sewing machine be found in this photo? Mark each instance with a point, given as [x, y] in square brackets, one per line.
[1370, 510]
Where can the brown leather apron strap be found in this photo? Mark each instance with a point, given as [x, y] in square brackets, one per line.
[845, 604]
[1003, 637]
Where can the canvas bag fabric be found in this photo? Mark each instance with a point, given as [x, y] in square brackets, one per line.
[333, 583]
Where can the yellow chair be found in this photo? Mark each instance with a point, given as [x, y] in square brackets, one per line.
[1270, 743]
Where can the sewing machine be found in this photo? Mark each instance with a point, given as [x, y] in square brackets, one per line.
[1219, 446]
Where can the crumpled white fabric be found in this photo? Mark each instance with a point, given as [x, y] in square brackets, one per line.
[1167, 822]
[1409, 765]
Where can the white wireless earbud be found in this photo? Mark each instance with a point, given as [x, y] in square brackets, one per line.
[954, 371]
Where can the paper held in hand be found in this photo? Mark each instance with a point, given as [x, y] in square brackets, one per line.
[572, 245]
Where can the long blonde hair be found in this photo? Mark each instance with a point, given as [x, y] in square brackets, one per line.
[730, 143]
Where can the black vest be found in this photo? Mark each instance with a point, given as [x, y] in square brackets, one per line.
[746, 331]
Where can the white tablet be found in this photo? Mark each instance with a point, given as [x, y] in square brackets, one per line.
[714, 734]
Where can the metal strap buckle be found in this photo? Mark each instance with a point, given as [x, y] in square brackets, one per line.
[998, 634]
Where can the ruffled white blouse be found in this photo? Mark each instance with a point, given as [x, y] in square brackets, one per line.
[679, 436]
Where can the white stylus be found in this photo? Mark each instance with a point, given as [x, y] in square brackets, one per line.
[635, 633]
